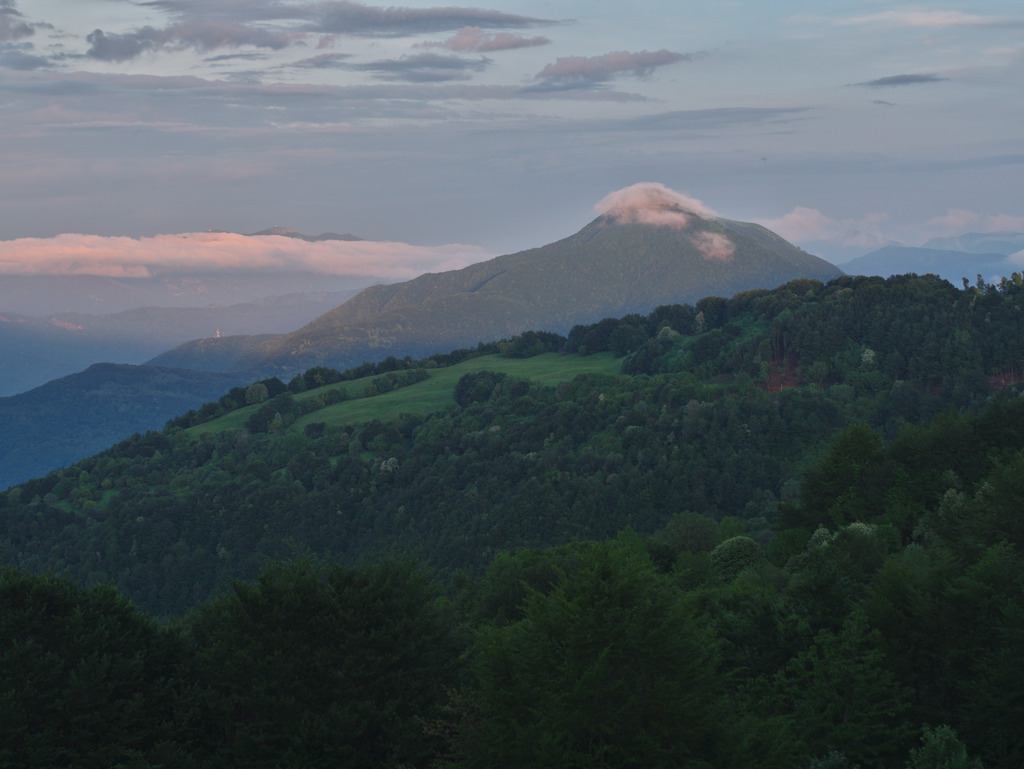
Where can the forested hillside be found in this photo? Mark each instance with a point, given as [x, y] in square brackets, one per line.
[785, 533]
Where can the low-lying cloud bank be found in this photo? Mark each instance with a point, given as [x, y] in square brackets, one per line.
[123, 257]
[809, 225]
[805, 225]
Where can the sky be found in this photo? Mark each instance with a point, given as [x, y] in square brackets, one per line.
[454, 132]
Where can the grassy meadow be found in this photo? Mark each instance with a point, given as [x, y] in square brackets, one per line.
[424, 397]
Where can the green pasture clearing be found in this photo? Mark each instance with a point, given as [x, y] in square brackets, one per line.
[427, 396]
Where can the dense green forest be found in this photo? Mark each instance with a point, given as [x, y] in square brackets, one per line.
[785, 534]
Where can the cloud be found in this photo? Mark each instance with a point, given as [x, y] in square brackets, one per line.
[803, 225]
[15, 57]
[895, 80]
[957, 221]
[323, 61]
[231, 10]
[11, 26]
[883, 103]
[346, 17]
[931, 20]
[652, 203]
[207, 26]
[236, 57]
[208, 251]
[714, 246]
[186, 99]
[474, 39]
[210, 35]
[201, 35]
[357, 19]
[122, 47]
[424, 68]
[809, 225]
[713, 119]
[584, 71]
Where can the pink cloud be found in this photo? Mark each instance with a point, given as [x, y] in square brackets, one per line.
[1004, 223]
[652, 203]
[809, 225]
[125, 257]
[957, 221]
[803, 224]
[714, 245]
[929, 19]
[475, 39]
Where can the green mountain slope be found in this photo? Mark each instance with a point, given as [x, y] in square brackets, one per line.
[607, 269]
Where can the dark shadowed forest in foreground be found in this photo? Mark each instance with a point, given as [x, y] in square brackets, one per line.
[785, 531]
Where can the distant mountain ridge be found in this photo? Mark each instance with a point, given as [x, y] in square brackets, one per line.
[36, 350]
[609, 268]
[288, 232]
[39, 295]
[52, 325]
[954, 266]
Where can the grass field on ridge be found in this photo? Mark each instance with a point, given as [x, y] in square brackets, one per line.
[424, 397]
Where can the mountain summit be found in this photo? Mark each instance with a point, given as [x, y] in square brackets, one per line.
[648, 246]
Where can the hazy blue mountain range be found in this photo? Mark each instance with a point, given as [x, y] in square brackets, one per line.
[954, 266]
[38, 349]
[78, 415]
[606, 269]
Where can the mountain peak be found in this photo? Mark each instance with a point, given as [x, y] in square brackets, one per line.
[654, 204]
[650, 246]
